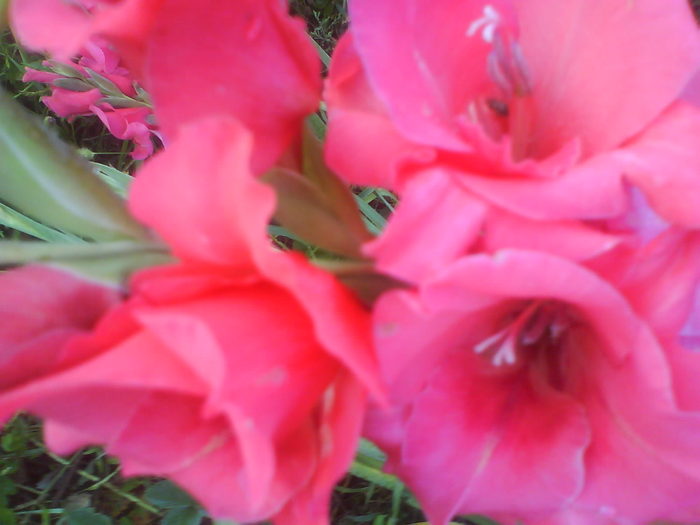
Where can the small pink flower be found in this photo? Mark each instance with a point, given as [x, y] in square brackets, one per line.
[69, 104]
[129, 124]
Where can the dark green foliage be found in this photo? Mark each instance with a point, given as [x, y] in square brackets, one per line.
[326, 19]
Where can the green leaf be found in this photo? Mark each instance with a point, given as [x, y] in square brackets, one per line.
[123, 102]
[17, 221]
[373, 475]
[325, 58]
[22, 252]
[115, 179]
[84, 516]
[45, 179]
[167, 495]
[7, 517]
[7, 488]
[183, 516]
[317, 125]
[369, 453]
[109, 263]
[480, 520]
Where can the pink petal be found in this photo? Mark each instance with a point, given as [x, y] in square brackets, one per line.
[342, 411]
[43, 309]
[224, 223]
[36, 75]
[239, 38]
[664, 161]
[66, 103]
[55, 27]
[526, 274]
[272, 377]
[358, 123]
[128, 124]
[644, 469]
[341, 325]
[569, 239]
[468, 445]
[641, 57]
[412, 337]
[213, 206]
[215, 478]
[421, 62]
[590, 190]
[129, 25]
[662, 280]
[413, 245]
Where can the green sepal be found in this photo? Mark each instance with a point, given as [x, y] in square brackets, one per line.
[315, 205]
[335, 191]
[362, 278]
[305, 211]
[43, 178]
[72, 84]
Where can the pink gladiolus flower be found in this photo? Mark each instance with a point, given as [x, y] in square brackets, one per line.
[240, 37]
[528, 387]
[240, 372]
[77, 92]
[540, 108]
[69, 104]
[129, 124]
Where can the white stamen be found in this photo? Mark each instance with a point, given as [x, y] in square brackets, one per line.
[489, 342]
[505, 353]
[504, 344]
[487, 24]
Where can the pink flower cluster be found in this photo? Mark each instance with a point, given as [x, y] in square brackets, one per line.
[97, 84]
[537, 361]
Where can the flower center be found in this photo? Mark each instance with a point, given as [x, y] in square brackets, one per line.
[510, 111]
[535, 331]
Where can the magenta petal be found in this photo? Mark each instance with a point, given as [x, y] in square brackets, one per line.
[412, 337]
